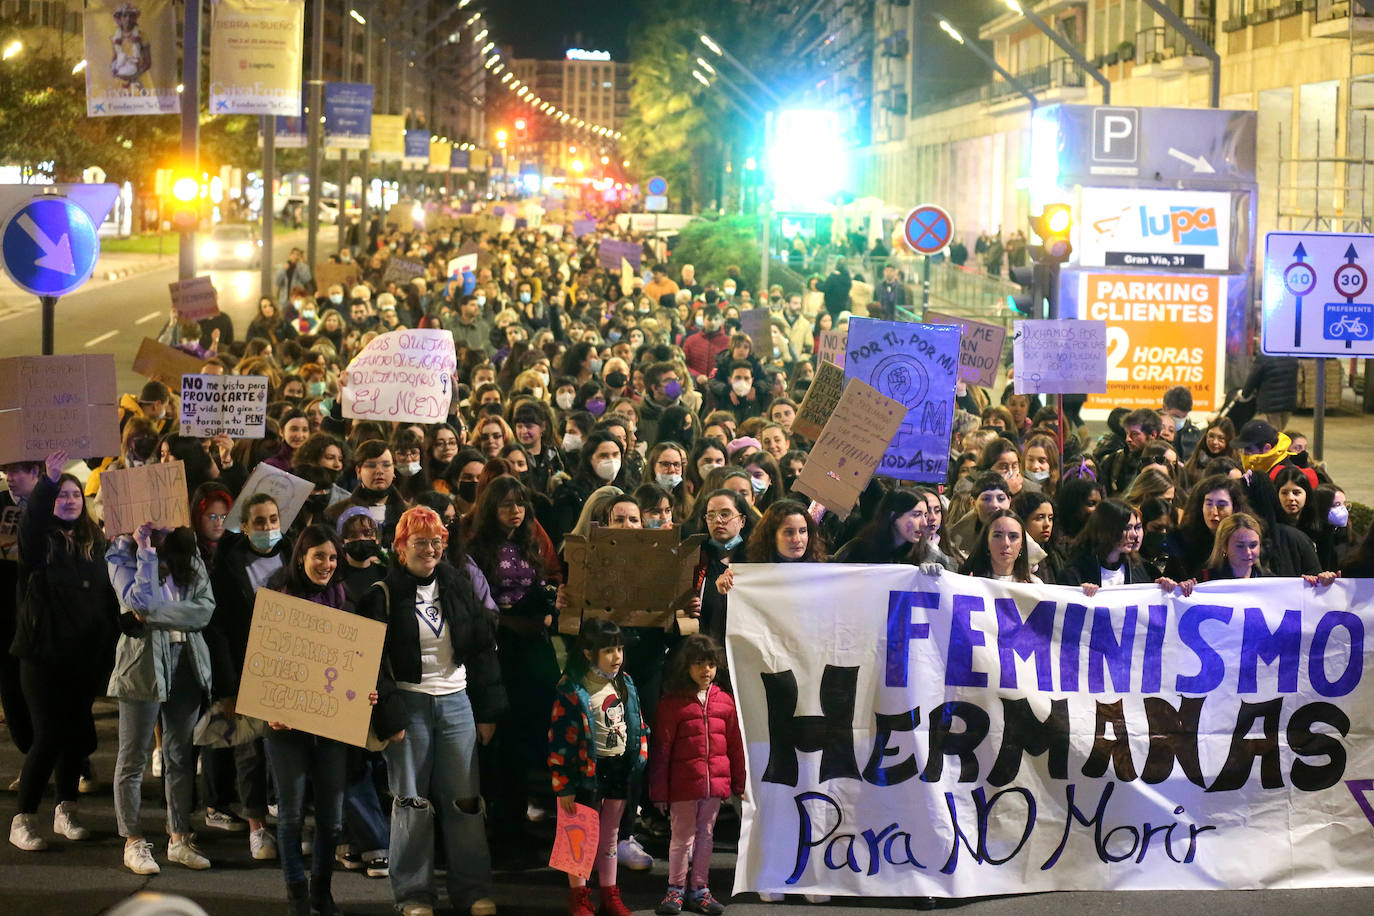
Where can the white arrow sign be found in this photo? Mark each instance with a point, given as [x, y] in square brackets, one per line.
[1199, 163]
[57, 256]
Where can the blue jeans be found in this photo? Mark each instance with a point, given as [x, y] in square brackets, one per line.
[296, 757]
[433, 769]
[136, 721]
[366, 828]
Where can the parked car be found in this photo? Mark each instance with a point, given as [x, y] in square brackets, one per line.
[232, 245]
[329, 209]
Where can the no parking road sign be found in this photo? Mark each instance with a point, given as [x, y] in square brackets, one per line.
[928, 229]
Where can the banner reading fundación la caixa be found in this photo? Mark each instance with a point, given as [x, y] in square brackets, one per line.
[131, 58]
[255, 57]
[960, 737]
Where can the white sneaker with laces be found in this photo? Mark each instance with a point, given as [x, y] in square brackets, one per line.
[138, 858]
[816, 898]
[262, 844]
[24, 833]
[64, 823]
[185, 852]
[633, 856]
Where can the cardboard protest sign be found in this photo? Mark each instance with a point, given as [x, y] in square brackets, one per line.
[234, 405]
[58, 403]
[195, 298]
[9, 533]
[288, 490]
[574, 845]
[848, 450]
[610, 252]
[402, 270]
[402, 375]
[819, 403]
[980, 349]
[636, 577]
[830, 347]
[464, 262]
[328, 273]
[165, 364]
[310, 667]
[154, 493]
[1060, 356]
[756, 323]
[916, 365]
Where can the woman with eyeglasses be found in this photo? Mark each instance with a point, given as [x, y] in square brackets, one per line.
[444, 443]
[439, 693]
[504, 542]
[729, 520]
[376, 491]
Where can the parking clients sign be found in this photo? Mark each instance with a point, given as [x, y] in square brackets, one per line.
[1160, 230]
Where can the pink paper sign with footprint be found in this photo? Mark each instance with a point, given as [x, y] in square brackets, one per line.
[574, 844]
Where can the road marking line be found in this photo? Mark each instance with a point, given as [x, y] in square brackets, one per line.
[148, 317]
[101, 339]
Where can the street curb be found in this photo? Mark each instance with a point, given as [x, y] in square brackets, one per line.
[138, 268]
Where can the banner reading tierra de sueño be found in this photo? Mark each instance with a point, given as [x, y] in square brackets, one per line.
[255, 57]
[960, 737]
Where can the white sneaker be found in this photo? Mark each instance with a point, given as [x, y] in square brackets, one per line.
[816, 898]
[769, 897]
[64, 823]
[186, 853]
[262, 844]
[157, 763]
[87, 785]
[138, 858]
[417, 909]
[535, 813]
[24, 833]
[633, 856]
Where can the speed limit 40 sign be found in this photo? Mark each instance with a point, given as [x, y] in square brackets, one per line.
[1316, 295]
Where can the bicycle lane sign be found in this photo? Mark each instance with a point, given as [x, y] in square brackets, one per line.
[1316, 296]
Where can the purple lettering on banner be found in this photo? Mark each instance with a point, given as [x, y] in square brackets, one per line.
[1211, 666]
[962, 638]
[1283, 645]
[1033, 638]
[901, 629]
[1316, 660]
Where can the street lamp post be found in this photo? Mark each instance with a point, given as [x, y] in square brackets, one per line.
[314, 126]
[1064, 44]
[991, 61]
[190, 130]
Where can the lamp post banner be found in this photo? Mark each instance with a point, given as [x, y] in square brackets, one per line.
[131, 58]
[957, 737]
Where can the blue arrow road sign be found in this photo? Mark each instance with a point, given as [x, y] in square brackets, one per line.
[50, 246]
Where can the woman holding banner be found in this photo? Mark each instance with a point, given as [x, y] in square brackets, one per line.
[439, 693]
[1001, 551]
[63, 633]
[1105, 553]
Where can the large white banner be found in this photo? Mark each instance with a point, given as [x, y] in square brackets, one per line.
[963, 737]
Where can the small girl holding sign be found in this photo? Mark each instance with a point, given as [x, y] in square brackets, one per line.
[598, 740]
[696, 760]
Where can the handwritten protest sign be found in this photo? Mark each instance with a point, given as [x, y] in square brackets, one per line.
[574, 845]
[1060, 356]
[165, 364]
[462, 263]
[327, 273]
[310, 667]
[289, 491]
[9, 533]
[195, 298]
[153, 493]
[830, 347]
[980, 349]
[916, 365]
[636, 577]
[58, 403]
[402, 270]
[610, 252]
[850, 446]
[234, 405]
[402, 375]
[819, 403]
[755, 323]
[583, 227]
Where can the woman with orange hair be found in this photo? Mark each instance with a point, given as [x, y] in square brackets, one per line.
[439, 693]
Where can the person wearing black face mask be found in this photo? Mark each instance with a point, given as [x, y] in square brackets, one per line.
[365, 561]
[1157, 515]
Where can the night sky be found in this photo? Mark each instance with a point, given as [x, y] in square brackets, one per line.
[547, 28]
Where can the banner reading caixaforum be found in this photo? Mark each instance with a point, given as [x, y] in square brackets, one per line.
[255, 57]
[959, 737]
[131, 55]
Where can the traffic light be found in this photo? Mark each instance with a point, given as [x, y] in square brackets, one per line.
[1025, 303]
[186, 209]
[1054, 226]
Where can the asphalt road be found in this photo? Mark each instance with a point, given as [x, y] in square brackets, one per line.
[77, 879]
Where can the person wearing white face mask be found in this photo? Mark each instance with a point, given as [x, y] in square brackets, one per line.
[244, 561]
[599, 462]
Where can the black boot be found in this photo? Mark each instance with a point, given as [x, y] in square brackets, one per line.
[297, 898]
[321, 898]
